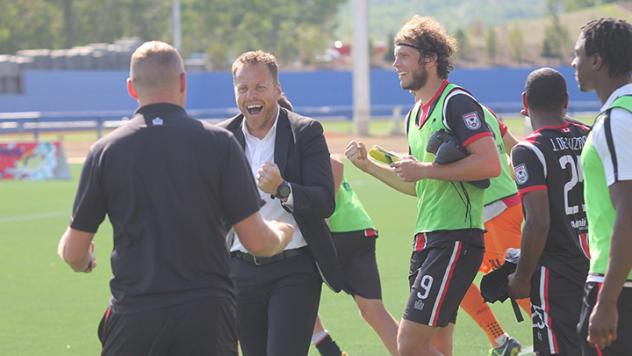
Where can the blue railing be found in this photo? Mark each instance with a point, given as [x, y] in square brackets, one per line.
[36, 122]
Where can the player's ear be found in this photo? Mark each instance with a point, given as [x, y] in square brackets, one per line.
[131, 90]
[525, 107]
[597, 62]
[278, 90]
[183, 82]
[429, 58]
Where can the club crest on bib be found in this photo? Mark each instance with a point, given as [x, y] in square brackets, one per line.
[472, 121]
[522, 176]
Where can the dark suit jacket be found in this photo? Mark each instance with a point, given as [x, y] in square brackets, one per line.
[301, 152]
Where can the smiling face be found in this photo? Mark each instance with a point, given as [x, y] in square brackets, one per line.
[257, 93]
[411, 71]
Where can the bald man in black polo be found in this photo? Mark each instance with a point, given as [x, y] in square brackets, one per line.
[171, 187]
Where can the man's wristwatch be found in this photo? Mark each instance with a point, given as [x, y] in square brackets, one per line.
[283, 191]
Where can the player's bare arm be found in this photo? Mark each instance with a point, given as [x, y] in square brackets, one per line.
[76, 249]
[482, 163]
[602, 330]
[509, 140]
[356, 152]
[263, 238]
[337, 169]
[534, 235]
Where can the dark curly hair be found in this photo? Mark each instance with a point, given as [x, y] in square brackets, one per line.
[612, 40]
[430, 38]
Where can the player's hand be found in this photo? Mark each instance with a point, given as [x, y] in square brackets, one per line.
[269, 178]
[356, 152]
[602, 325]
[519, 287]
[284, 231]
[409, 169]
[92, 261]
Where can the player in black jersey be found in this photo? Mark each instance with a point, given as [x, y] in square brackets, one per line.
[554, 252]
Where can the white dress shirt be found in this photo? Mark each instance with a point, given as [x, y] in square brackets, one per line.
[258, 151]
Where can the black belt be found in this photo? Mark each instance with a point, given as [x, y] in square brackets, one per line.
[267, 260]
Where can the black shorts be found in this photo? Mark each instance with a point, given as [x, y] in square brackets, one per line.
[356, 254]
[440, 274]
[555, 307]
[622, 346]
[206, 326]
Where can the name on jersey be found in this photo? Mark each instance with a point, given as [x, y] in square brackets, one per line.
[568, 143]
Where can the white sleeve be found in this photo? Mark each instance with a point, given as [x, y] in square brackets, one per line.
[616, 157]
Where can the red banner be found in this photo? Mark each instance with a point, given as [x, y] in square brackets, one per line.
[33, 161]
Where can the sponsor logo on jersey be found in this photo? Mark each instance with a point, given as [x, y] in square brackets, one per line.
[472, 121]
[419, 304]
[522, 176]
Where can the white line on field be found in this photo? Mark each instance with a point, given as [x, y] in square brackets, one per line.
[526, 351]
[4, 219]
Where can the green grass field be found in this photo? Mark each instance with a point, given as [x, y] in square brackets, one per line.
[46, 309]
[49, 310]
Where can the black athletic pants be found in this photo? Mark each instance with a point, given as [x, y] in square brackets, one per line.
[204, 327]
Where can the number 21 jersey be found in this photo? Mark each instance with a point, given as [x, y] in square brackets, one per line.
[549, 159]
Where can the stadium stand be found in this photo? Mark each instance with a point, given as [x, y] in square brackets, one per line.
[94, 56]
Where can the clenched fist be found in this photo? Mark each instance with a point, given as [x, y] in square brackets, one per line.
[268, 178]
[356, 152]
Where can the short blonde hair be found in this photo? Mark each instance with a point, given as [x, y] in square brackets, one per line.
[256, 57]
[155, 65]
[430, 38]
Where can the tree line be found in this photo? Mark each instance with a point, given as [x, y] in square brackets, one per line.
[293, 30]
[296, 31]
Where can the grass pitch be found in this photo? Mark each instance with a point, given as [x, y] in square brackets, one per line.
[47, 309]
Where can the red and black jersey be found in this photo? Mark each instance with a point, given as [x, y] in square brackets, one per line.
[549, 159]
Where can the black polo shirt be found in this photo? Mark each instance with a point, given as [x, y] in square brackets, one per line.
[171, 186]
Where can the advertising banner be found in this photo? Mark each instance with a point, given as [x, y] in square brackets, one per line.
[33, 161]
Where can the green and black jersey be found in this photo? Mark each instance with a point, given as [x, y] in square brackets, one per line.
[502, 186]
[447, 205]
[606, 160]
[349, 215]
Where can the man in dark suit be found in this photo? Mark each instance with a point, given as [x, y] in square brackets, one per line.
[278, 297]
